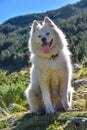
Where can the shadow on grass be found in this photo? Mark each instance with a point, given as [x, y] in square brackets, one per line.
[29, 121]
[34, 122]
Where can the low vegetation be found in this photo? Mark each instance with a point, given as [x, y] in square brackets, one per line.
[12, 87]
[14, 108]
[14, 75]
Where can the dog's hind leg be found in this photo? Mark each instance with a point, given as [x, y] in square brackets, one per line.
[34, 99]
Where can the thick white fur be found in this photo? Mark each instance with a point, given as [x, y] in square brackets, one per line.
[50, 78]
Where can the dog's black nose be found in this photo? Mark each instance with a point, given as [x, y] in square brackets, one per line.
[44, 39]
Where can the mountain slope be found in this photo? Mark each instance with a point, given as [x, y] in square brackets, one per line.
[14, 34]
[64, 13]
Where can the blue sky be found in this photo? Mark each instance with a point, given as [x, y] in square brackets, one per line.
[12, 8]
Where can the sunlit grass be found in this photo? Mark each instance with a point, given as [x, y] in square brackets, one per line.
[14, 104]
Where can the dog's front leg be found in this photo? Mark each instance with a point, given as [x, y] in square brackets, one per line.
[46, 98]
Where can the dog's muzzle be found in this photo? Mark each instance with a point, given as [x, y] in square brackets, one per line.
[45, 43]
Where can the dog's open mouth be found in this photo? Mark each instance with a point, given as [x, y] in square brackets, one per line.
[46, 46]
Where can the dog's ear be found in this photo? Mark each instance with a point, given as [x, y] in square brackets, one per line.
[49, 22]
[34, 25]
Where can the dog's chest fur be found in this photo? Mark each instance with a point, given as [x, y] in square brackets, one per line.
[51, 65]
[49, 70]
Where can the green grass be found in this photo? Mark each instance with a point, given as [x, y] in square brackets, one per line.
[28, 121]
[79, 74]
[83, 72]
[14, 104]
[62, 122]
[12, 89]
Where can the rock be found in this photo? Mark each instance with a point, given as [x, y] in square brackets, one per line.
[12, 121]
[72, 120]
[79, 82]
[76, 123]
[85, 64]
[11, 106]
[76, 67]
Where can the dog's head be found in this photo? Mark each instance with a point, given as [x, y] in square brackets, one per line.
[46, 38]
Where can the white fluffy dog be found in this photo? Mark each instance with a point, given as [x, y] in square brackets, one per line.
[50, 77]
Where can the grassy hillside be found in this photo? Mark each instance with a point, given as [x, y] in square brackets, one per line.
[14, 114]
[14, 34]
[14, 70]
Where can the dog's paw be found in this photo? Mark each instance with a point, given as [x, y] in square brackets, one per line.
[39, 113]
[50, 111]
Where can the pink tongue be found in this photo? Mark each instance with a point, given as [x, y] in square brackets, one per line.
[46, 49]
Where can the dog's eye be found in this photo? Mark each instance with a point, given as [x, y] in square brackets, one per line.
[47, 33]
[39, 35]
